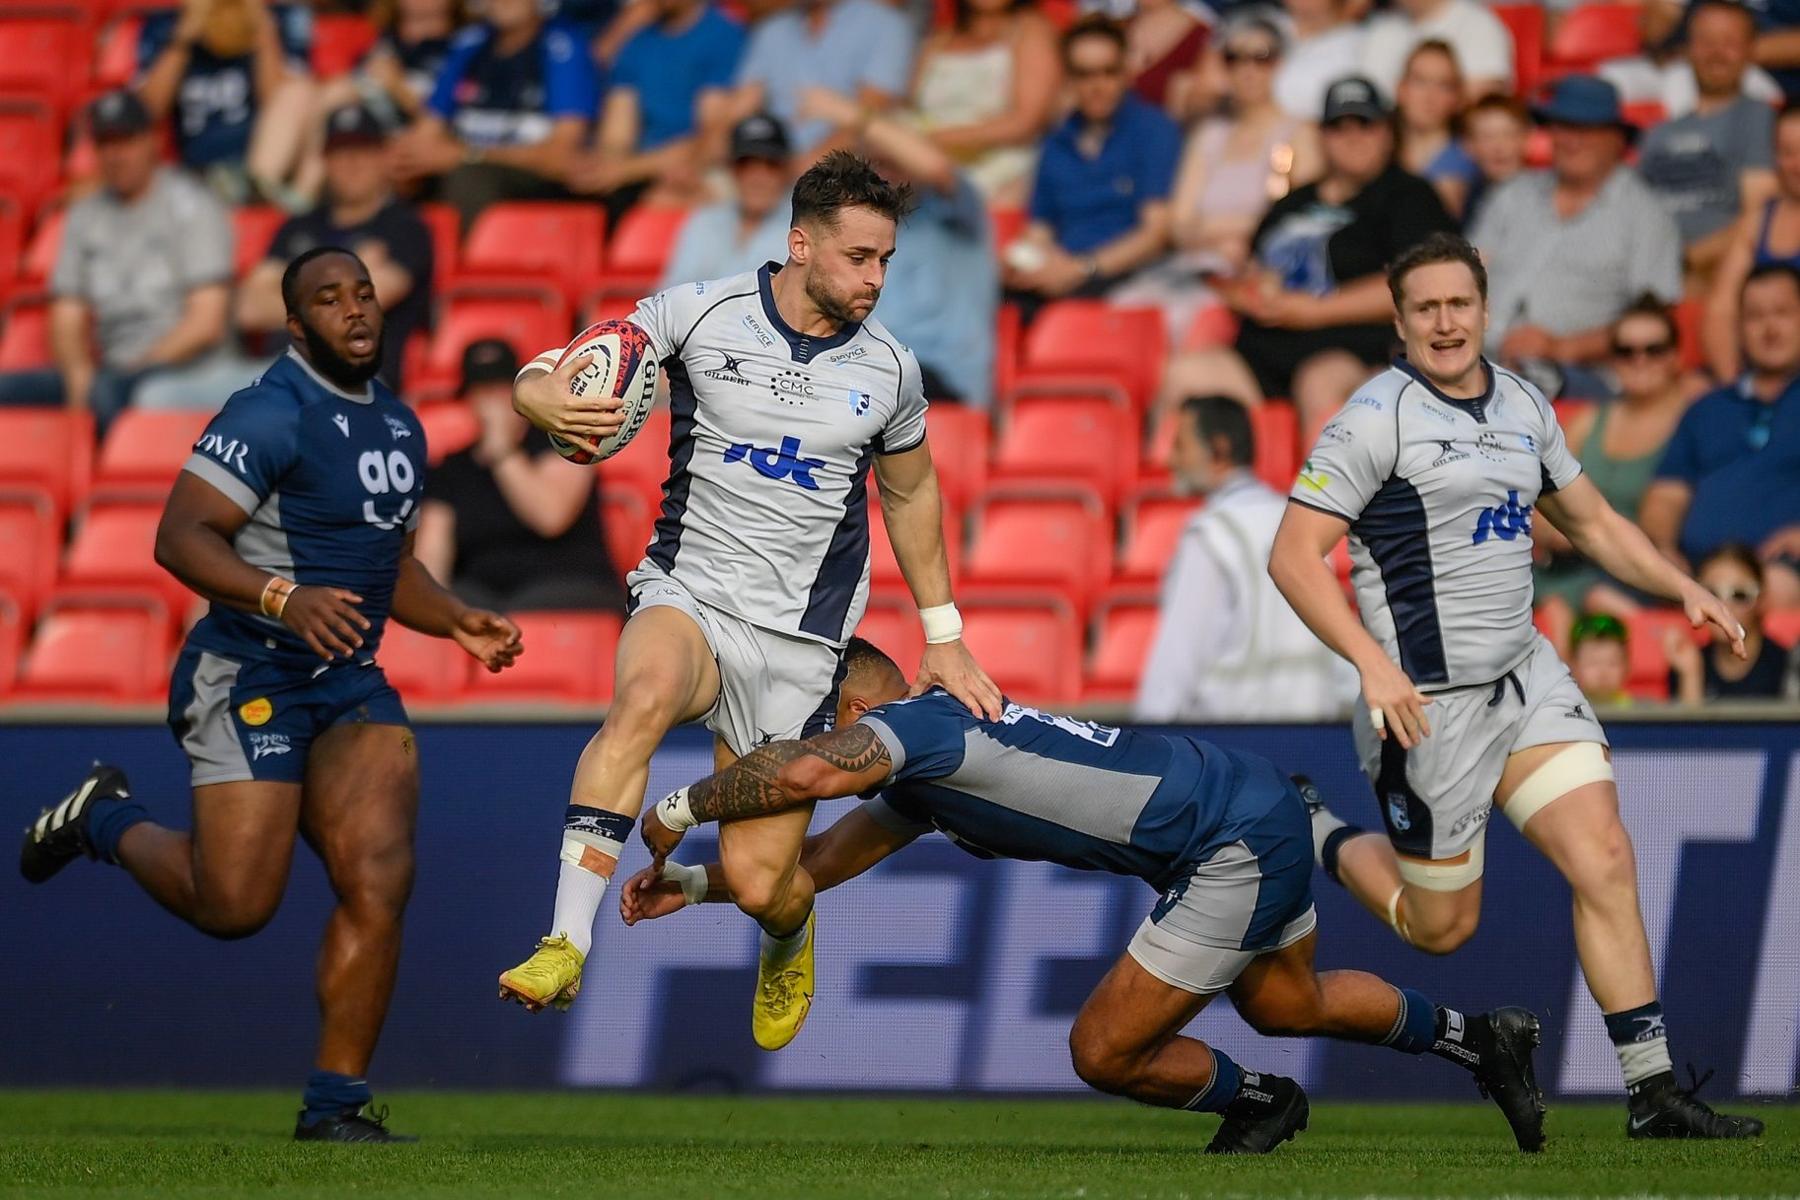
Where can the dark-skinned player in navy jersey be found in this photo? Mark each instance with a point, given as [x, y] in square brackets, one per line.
[1221, 834]
[295, 518]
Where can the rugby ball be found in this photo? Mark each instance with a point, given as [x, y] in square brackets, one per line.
[624, 366]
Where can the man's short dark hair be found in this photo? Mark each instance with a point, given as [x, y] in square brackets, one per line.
[1093, 25]
[1730, 6]
[290, 278]
[1436, 248]
[843, 180]
[1773, 270]
[1216, 417]
[862, 655]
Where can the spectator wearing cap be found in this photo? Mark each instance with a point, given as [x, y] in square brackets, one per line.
[1704, 163]
[646, 144]
[862, 49]
[360, 213]
[1483, 44]
[1315, 315]
[236, 77]
[1100, 201]
[507, 522]
[942, 290]
[1600, 658]
[509, 112]
[1731, 472]
[751, 228]
[141, 289]
[1570, 248]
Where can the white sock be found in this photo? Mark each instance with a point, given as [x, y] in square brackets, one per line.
[1639, 1061]
[780, 951]
[1324, 824]
[578, 893]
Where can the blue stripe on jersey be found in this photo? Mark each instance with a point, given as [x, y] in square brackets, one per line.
[1394, 529]
[845, 560]
[683, 405]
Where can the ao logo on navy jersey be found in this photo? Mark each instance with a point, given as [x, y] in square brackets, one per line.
[382, 474]
[1504, 521]
[784, 462]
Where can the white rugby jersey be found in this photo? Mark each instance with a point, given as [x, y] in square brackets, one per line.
[1439, 495]
[765, 512]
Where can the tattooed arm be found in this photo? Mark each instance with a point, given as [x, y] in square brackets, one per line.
[772, 778]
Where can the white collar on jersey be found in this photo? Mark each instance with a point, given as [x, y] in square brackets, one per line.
[368, 393]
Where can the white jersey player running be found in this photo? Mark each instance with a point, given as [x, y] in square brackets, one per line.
[1434, 469]
[783, 393]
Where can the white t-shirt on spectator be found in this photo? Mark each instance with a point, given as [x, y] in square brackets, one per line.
[1311, 65]
[1641, 81]
[1483, 44]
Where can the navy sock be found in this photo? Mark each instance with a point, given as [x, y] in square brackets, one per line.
[1222, 1089]
[1334, 841]
[107, 822]
[1641, 1042]
[1415, 1026]
[329, 1094]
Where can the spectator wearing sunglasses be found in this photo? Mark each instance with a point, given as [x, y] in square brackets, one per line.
[1696, 674]
[1732, 470]
[1600, 659]
[1620, 443]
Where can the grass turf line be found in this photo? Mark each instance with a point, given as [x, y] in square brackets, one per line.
[169, 1144]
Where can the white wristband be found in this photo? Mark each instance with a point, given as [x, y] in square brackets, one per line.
[675, 813]
[692, 880]
[942, 624]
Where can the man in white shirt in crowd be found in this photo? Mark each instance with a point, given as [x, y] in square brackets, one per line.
[1227, 645]
[1483, 44]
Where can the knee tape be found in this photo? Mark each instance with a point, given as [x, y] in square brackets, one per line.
[1572, 767]
[1448, 875]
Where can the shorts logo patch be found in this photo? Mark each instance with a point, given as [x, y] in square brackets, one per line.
[262, 745]
[1398, 817]
[256, 712]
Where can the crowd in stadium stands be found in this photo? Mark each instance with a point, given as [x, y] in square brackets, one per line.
[1146, 268]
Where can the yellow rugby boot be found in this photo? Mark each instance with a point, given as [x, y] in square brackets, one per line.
[552, 975]
[784, 994]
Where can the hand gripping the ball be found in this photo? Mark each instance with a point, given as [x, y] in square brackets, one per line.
[550, 402]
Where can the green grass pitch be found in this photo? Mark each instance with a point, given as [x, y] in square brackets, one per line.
[216, 1144]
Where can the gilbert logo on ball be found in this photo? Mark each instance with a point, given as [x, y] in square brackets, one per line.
[624, 368]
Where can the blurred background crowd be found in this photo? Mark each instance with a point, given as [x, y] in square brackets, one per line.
[1145, 270]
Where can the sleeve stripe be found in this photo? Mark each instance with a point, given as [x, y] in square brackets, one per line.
[227, 484]
[885, 451]
[896, 751]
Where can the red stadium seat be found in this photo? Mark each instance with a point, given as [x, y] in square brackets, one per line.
[531, 321]
[1648, 673]
[1645, 114]
[97, 652]
[1008, 223]
[48, 449]
[627, 520]
[1590, 34]
[1029, 646]
[642, 466]
[446, 240]
[1688, 316]
[114, 548]
[450, 426]
[959, 449]
[12, 243]
[1044, 539]
[30, 541]
[639, 247]
[1526, 24]
[424, 669]
[1153, 524]
[1074, 343]
[884, 570]
[30, 152]
[1124, 628]
[892, 624]
[1090, 440]
[254, 228]
[1569, 411]
[116, 58]
[339, 42]
[39, 262]
[599, 306]
[1277, 429]
[12, 637]
[538, 242]
[1782, 626]
[568, 659]
[45, 55]
[25, 335]
[144, 450]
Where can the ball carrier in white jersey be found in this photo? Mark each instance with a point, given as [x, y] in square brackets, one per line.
[783, 393]
[1434, 469]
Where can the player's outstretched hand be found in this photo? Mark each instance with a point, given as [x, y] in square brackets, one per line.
[949, 665]
[1396, 707]
[547, 402]
[659, 839]
[491, 639]
[1703, 608]
[326, 619]
[647, 896]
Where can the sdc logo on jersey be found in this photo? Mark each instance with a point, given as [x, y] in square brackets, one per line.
[783, 462]
[1504, 521]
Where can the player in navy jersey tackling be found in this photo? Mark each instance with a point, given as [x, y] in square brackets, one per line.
[1221, 834]
[1434, 469]
[295, 518]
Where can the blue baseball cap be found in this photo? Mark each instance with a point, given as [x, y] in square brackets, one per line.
[1584, 100]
